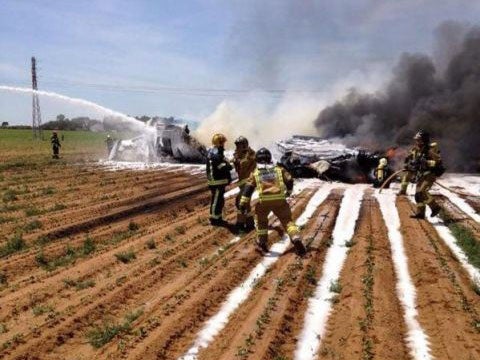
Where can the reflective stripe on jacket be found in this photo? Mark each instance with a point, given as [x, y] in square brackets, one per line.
[271, 182]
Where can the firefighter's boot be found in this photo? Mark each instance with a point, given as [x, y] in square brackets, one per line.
[250, 224]
[300, 249]
[261, 244]
[419, 213]
[240, 228]
[435, 209]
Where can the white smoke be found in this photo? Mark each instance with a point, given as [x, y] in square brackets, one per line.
[264, 120]
[260, 123]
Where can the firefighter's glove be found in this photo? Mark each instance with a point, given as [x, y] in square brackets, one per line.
[413, 165]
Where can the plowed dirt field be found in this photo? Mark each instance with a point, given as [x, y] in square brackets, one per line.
[104, 263]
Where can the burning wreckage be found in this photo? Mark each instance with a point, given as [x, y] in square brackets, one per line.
[302, 156]
[308, 157]
[170, 142]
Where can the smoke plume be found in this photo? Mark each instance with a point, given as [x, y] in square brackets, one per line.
[260, 123]
[440, 95]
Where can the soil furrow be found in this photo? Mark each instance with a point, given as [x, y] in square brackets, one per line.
[251, 329]
[447, 304]
[368, 313]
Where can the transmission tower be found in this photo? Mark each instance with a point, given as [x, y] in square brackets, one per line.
[36, 115]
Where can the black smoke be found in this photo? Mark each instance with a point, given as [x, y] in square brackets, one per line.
[440, 95]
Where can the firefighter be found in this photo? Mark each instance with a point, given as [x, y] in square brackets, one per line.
[381, 173]
[218, 175]
[109, 141]
[244, 163]
[423, 165]
[274, 184]
[55, 145]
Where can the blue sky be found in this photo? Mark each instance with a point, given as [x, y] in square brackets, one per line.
[192, 55]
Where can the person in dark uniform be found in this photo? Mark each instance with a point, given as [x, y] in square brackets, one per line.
[109, 141]
[55, 145]
[218, 175]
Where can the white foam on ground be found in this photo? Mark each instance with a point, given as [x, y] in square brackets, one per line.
[215, 324]
[232, 192]
[468, 183]
[319, 306]
[111, 165]
[461, 203]
[417, 340]
[447, 236]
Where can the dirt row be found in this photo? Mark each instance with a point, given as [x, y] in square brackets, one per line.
[446, 301]
[153, 305]
[135, 290]
[78, 203]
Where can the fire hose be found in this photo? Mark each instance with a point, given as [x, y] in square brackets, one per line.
[436, 182]
[389, 179]
[450, 189]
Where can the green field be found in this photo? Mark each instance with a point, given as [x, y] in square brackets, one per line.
[18, 145]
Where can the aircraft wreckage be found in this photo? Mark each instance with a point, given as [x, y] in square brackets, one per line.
[170, 142]
[308, 157]
[302, 156]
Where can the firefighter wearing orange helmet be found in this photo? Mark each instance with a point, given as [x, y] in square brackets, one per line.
[218, 175]
[274, 184]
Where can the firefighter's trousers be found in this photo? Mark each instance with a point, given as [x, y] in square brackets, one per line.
[422, 195]
[217, 201]
[406, 177]
[55, 149]
[282, 211]
[242, 217]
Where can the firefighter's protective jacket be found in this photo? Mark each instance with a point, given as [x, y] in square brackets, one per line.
[218, 167]
[381, 169]
[430, 156]
[55, 141]
[272, 182]
[245, 164]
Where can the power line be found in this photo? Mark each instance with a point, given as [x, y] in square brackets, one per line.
[193, 91]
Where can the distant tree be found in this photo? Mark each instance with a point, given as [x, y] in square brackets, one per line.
[62, 123]
[4, 123]
[61, 117]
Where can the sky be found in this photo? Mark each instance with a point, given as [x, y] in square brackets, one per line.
[189, 59]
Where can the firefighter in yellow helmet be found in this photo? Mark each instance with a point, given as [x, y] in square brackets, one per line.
[274, 185]
[244, 163]
[218, 175]
[381, 172]
[423, 165]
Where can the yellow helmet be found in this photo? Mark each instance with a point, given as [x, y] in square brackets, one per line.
[219, 140]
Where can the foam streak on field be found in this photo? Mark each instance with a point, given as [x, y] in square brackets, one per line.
[449, 239]
[320, 305]
[461, 203]
[240, 294]
[416, 338]
[126, 253]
